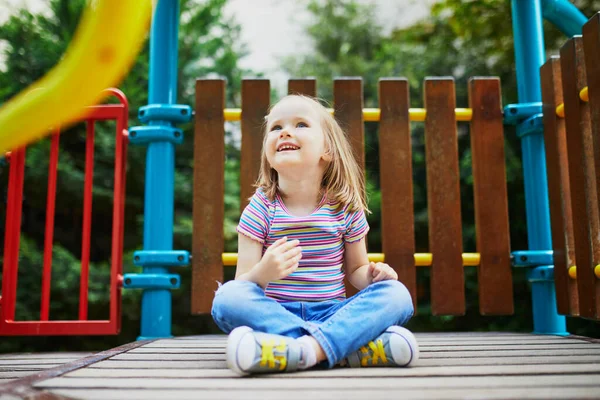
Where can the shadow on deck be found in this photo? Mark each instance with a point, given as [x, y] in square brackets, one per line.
[452, 366]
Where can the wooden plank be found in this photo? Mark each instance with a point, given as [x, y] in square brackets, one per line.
[517, 360]
[208, 205]
[14, 374]
[559, 193]
[29, 361]
[501, 353]
[582, 177]
[215, 364]
[28, 367]
[178, 350]
[306, 87]
[286, 384]
[256, 97]
[443, 198]
[118, 364]
[494, 274]
[443, 353]
[395, 172]
[481, 370]
[424, 394]
[39, 356]
[21, 388]
[170, 357]
[591, 45]
[509, 347]
[348, 105]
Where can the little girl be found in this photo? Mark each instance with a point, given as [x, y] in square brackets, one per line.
[302, 232]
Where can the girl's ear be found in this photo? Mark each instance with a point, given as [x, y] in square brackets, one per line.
[327, 156]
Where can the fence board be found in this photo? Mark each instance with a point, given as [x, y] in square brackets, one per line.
[443, 197]
[395, 171]
[582, 176]
[591, 45]
[348, 105]
[256, 94]
[302, 86]
[490, 197]
[208, 205]
[559, 189]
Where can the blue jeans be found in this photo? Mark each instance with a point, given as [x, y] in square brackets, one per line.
[340, 327]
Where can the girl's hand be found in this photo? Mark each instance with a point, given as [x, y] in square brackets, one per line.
[381, 272]
[281, 259]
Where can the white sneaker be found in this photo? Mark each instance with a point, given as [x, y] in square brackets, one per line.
[395, 347]
[251, 352]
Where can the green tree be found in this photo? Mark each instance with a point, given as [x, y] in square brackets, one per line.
[459, 39]
[209, 45]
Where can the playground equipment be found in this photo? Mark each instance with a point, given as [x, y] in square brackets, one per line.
[446, 259]
[105, 45]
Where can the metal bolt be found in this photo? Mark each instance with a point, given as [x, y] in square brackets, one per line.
[133, 133]
[142, 112]
[179, 258]
[177, 134]
[513, 110]
[523, 258]
[173, 281]
[128, 281]
[136, 258]
[183, 112]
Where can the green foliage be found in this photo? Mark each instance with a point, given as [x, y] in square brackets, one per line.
[209, 46]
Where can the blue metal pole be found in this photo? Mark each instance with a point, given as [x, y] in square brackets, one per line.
[564, 15]
[160, 167]
[529, 57]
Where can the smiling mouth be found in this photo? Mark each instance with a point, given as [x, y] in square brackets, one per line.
[287, 148]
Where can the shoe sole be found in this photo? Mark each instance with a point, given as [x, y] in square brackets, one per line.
[410, 340]
[233, 341]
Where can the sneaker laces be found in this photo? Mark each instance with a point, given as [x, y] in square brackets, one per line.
[269, 357]
[376, 353]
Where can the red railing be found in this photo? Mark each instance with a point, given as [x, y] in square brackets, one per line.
[82, 326]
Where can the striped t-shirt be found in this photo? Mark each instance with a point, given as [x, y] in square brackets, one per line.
[322, 235]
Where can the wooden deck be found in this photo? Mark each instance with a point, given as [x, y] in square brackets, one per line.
[452, 366]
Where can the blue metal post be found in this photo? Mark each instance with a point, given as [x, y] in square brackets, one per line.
[160, 167]
[529, 56]
[564, 15]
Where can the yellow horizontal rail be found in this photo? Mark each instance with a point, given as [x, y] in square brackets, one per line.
[573, 272]
[583, 95]
[421, 259]
[369, 114]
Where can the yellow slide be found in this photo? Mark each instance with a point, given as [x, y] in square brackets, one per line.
[105, 45]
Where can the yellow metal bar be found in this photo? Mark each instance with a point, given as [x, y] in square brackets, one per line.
[583, 95]
[369, 114]
[233, 114]
[573, 272]
[421, 259]
[560, 110]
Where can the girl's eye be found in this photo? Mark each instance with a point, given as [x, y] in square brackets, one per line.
[275, 128]
[301, 125]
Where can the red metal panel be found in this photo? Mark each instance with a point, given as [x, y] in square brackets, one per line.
[8, 326]
[49, 235]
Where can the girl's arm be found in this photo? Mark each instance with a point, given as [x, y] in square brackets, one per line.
[280, 260]
[361, 273]
[249, 254]
[356, 264]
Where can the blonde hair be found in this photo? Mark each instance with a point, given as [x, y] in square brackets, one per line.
[343, 180]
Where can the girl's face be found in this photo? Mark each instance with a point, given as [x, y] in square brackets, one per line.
[294, 137]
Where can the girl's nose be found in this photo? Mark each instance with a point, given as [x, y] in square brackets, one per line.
[284, 133]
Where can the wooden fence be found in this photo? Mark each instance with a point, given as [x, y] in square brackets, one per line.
[444, 208]
[573, 157]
